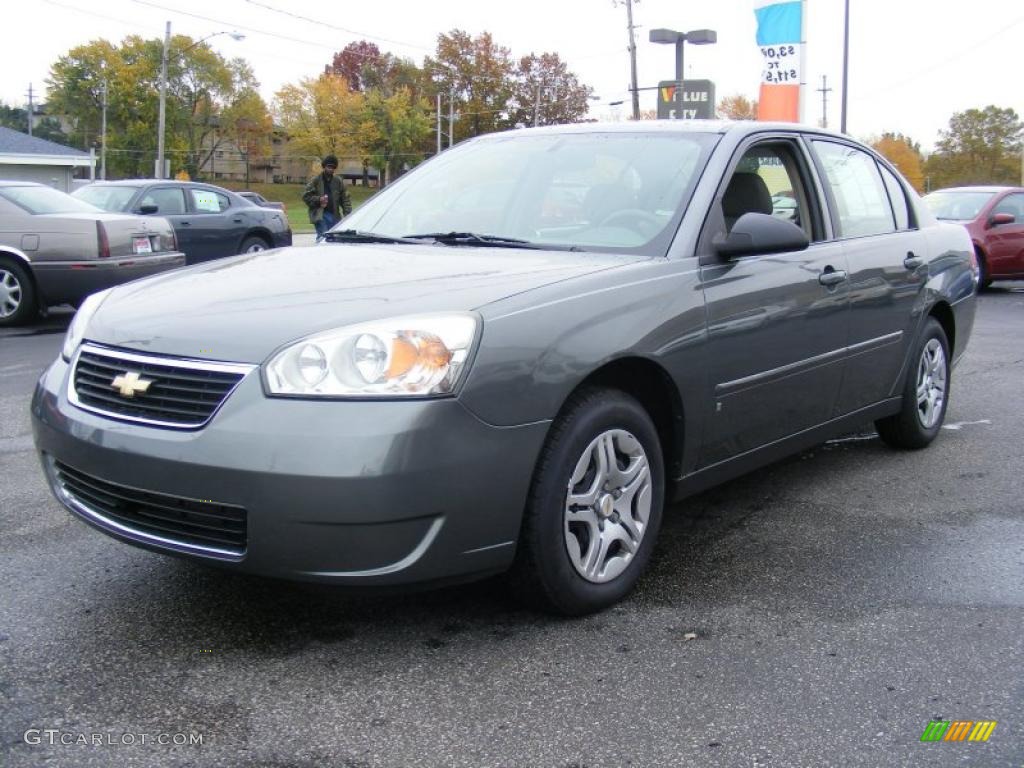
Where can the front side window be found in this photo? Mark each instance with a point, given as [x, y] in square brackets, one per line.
[601, 191]
[767, 180]
[862, 203]
[168, 201]
[1013, 205]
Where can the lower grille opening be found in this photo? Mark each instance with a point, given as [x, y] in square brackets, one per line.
[220, 528]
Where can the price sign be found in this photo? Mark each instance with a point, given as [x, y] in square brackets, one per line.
[781, 64]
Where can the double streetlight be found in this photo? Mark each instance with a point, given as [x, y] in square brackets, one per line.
[694, 37]
[160, 172]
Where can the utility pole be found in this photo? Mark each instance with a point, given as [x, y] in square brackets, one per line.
[439, 122]
[536, 105]
[162, 119]
[824, 91]
[632, 61]
[846, 63]
[103, 135]
[451, 118]
[31, 108]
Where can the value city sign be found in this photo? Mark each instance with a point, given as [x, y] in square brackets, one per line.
[698, 100]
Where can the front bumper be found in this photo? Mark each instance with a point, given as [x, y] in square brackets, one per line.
[69, 281]
[353, 492]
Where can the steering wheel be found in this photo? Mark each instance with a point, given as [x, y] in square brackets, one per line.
[637, 219]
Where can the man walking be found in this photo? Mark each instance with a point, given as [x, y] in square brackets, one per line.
[324, 196]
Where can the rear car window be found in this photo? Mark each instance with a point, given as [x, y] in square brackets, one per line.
[861, 201]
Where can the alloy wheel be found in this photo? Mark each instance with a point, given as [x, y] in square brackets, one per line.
[10, 293]
[931, 383]
[607, 506]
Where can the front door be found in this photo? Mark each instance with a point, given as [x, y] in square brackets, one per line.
[216, 230]
[777, 324]
[1006, 241]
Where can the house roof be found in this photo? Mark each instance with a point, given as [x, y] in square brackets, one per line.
[25, 148]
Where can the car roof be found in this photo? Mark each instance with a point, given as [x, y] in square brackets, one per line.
[21, 184]
[732, 127]
[978, 189]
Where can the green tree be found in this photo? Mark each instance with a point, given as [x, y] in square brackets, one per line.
[45, 128]
[392, 131]
[981, 146]
[480, 73]
[544, 84]
[321, 115]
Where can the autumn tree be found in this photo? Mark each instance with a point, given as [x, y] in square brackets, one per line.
[479, 73]
[904, 154]
[981, 146]
[321, 115]
[737, 107]
[392, 130]
[545, 89]
[358, 62]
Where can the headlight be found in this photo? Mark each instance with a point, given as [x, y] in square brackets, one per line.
[401, 357]
[76, 331]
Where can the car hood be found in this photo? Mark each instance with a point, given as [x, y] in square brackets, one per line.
[243, 308]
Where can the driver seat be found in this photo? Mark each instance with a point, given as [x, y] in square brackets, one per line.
[746, 193]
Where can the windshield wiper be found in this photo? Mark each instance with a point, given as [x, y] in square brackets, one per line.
[486, 241]
[355, 236]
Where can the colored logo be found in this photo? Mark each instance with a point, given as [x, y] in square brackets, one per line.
[130, 384]
[958, 730]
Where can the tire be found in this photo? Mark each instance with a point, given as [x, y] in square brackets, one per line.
[254, 244]
[921, 415]
[574, 559]
[18, 302]
[984, 281]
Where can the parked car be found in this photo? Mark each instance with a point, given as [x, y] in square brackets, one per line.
[442, 392]
[994, 217]
[210, 222]
[260, 200]
[55, 249]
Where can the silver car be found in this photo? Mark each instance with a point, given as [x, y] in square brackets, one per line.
[55, 249]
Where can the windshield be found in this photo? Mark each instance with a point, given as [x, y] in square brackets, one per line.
[957, 206]
[45, 200]
[593, 191]
[107, 197]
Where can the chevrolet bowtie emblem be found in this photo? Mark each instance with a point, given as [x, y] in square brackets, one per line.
[129, 384]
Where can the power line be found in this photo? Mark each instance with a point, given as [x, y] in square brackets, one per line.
[321, 23]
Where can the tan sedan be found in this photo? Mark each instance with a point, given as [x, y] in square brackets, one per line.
[55, 249]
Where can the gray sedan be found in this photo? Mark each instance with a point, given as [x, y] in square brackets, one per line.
[512, 358]
[55, 249]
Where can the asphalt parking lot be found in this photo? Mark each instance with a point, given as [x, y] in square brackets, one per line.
[819, 612]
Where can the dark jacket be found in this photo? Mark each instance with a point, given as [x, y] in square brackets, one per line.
[339, 197]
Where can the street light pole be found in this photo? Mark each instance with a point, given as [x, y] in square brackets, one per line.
[162, 120]
[695, 37]
[103, 135]
[680, 47]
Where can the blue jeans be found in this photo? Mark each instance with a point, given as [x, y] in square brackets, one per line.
[326, 222]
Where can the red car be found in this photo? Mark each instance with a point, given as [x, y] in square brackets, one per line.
[995, 218]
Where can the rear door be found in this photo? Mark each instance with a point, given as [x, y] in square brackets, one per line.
[777, 323]
[1006, 241]
[216, 229]
[888, 266]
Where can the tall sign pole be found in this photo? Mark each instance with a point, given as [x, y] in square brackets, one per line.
[162, 119]
[632, 61]
[846, 63]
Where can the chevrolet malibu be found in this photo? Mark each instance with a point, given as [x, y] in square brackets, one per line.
[512, 359]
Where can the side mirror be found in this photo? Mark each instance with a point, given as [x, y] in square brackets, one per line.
[1001, 218]
[758, 233]
[148, 208]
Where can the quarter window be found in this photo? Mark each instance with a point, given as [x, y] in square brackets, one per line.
[898, 198]
[862, 204]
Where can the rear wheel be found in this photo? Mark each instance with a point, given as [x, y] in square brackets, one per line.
[594, 508]
[925, 394]
[17, 294]
[254, 244]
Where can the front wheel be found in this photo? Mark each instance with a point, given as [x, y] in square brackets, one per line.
[594, 508]
[925, 394]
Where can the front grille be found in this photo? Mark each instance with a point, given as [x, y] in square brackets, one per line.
[181, 393]
[157, 516]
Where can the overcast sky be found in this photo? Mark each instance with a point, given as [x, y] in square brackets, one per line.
[912, 62]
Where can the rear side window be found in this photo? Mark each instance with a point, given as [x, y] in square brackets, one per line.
[208, 201]
[898, 198]
[861, 201]
[168, 201]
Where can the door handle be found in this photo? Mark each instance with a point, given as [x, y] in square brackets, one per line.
[912, 261]
[237, 221]
[831, 277]
[185, 223]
